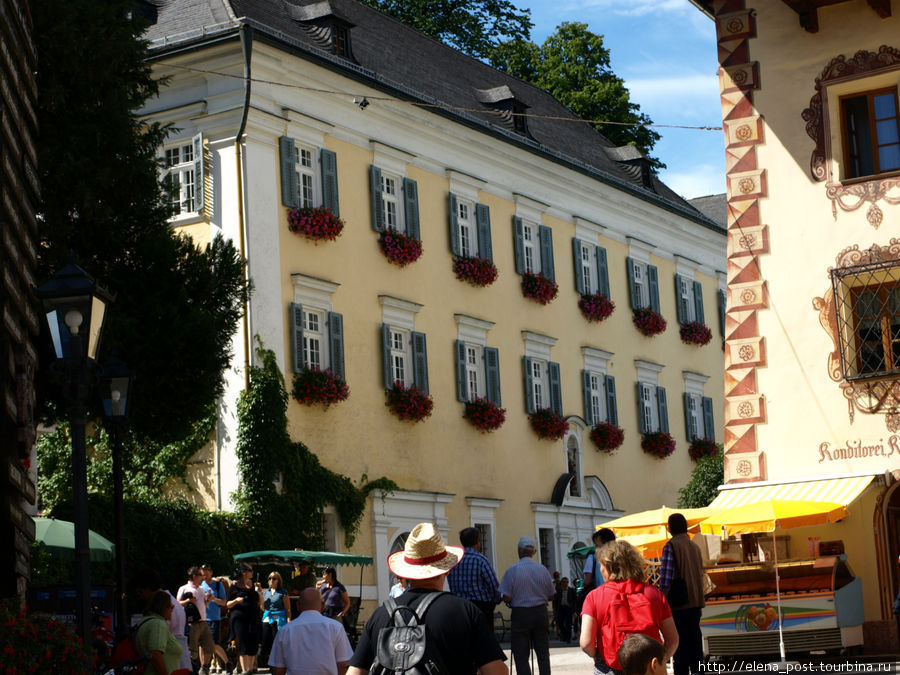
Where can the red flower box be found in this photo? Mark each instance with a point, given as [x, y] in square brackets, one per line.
[658, 443]
[399, 248]
[595, 306]
[409, 403]
[547, 424]
[539, 288]
[607, 437]
[484, 415]
[702, 447]
[648, 322]
[476, 271]
[695, 333]
[317, 224]
[319, 386]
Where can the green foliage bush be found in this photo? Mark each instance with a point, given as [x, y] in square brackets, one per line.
[31, 643]
[708, 475]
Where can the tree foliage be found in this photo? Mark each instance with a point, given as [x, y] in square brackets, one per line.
[708, 475]
[574, 66]
[471, 26]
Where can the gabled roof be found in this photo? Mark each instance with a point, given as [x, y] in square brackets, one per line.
[714, 207]
[393, 57]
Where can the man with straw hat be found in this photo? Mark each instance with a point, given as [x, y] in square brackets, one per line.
[456, 628]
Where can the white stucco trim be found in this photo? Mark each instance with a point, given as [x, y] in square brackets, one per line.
[313, 292]
[390, 159]
[470, 329]
[398, 312]
[596, 360]
[482, 510]
[537, 345]
[647, 371]
[463, 185]
[693, 382]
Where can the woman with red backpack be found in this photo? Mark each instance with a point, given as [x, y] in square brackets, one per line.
[625, 604]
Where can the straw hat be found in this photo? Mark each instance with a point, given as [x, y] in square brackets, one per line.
[425, 555]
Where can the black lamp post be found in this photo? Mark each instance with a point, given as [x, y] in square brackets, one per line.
[75, 306]
[115, 387]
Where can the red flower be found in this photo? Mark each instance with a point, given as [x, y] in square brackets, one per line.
[548, 424]
[595, 306]
[476, 271]
[409, 403]
[702, 447]
[317, 224]
[399, 248]
[484, 415]
[695, 333]
[607, 437]
[539, 288]
[648, 322]
[658, 443]
[313, 386]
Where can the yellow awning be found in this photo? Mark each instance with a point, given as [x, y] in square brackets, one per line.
[836, 490]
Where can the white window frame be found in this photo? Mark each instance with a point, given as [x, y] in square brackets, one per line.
[315, 339]
[482, 514]
[573, 447]
[399, 315]
[540, 383]
[392, 201]
[537, 348]
[467, 226]
[531, 245]
[596, 363]
[589, 267]
[686, 298]
[309, 181]
[182, 174]
[693, 387]
[401, 356]
[648, 377]
[641, 282]
[314, 297]
[472, 332]
[475, 377]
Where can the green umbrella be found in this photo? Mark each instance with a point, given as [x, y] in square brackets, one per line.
[58, 537]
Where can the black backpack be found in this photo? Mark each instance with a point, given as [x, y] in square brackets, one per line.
[404, 647]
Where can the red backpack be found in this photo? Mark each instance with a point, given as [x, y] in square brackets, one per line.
[125, 658]
[625, 610]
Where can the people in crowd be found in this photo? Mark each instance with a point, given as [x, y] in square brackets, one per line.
[244, 605]
[199, 635]
[145, 583]
[625, 572]
[563, 608]
[474, 577]
[592, 576]
[682, 559]
[311, 644]
[399, 588]
[642, 655]
[217, 593]
[527, 587]
[276, 614]
[334, 594]
[458, 630]
[153, 636]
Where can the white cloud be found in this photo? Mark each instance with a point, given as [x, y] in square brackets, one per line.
[698, 181]
[639, 7]
[668, 89]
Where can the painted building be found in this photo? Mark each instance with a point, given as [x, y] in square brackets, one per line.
[282, 106]
[812, 356]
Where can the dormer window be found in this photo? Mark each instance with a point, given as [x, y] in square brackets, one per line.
[633, 163]
[341, 41]
[510, 112]
[329, 31]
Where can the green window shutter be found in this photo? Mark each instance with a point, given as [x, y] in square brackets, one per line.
[377, 207]
[411, 206]
[492, 374]
[634, 292]
[663, 409]
[336, 342]
[483, 222]
[698, 303]
[547, 267]
[454, 225]
[199, 176]
[555, 388]
[688, 422]
[290, 191]
[586, 392]
[721, 295]
[653, 285]
[420, 361]
[602, 273]
[330, 182]
[519, 245]
[297, 336]
[529, 384]
[612, 409]
[462, 385]
[679, 300]
[709, 425]
[576, 259]
[386, 355]
[642, 426]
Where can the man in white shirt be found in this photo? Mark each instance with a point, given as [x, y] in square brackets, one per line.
[199, 634]
[311, 644]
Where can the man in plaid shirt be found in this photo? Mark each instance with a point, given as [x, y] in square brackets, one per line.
[473, 578]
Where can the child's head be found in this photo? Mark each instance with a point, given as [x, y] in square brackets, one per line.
[642, 655]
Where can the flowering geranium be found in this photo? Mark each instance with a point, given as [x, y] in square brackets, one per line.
[702, 447]
[658, 443]
[399, 248]
[409, 403]
[318, 223]
[312, 385]
[476, 271]
[484, 415]
[548, 424]
[596, 306]
[607, 437]
[538, 287]
[695, 333]
[34, 643]
[648, 322]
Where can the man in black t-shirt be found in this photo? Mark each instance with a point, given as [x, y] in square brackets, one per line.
[458, 629]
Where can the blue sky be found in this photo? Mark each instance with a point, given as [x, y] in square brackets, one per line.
[665, 50]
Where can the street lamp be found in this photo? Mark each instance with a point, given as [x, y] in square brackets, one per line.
[75, 306]
[115, 387]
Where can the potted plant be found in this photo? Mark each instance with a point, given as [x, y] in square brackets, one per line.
[484, 415]
[539, 288]
[399, 248]
[548, 424]
[702, 447]
[658, 443]
[596, 306]
[695, 333]
[34, 643]
[409, 403]
[312, 386]
[648, 321]
[474, 270]
[318, 224]
[607, 437]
